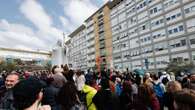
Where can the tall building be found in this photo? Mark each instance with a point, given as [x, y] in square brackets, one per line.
[78, 49]
[90, 37]
[101, 36]
[139, 34]
[148, 34]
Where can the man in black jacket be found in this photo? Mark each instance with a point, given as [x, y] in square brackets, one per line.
[6, 101]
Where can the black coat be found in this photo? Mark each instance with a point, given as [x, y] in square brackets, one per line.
[7, 100]
[49, 97]
[106, 100]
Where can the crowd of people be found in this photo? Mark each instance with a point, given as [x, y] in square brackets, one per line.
[67, 89]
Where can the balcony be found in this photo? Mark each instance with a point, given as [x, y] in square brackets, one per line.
[102, 46]
[89, 24]
[101, 38]
[91, 43]
[90, 51]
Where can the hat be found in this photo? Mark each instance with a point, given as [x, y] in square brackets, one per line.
[164, 72]
[27, 89]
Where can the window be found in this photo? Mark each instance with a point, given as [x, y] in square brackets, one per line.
[130, 11]
[191, 25]
[141, 5]
[181, 28]
[149, 38]
[143, 27]
[173, 17]
[177, 43]
[169, 3]
[122, 17]
[170, 31]
[192, 41]
[157, 9]
[179, 14]
[183, 42]
[175, 30]
[187, 10]
[161, 20]
[157, 22]
[168, 18]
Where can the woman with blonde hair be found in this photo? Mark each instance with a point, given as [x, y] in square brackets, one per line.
[172, 87]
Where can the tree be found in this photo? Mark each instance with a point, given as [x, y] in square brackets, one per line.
[18, 61]
[11, 66]
[8, 66]
[2, 65]
[48, 66]
[179, 66]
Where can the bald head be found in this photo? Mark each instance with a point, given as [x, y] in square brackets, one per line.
[11, 80]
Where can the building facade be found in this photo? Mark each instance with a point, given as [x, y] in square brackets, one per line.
[137, 34]
[90, 37]
[103, 38]
[77, 49]
[148, 34]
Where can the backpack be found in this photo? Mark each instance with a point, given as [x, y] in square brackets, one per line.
[158, 90]
[83, 99]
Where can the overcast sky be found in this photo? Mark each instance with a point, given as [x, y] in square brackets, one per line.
[38, 24]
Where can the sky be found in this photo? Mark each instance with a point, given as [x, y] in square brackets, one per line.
[39, 24]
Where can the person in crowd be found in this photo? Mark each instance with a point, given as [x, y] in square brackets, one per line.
[172, 76]
[126, 97]
[184, 100]
[68, 98]
[186, 81]
[159, 89]
[138, 79]
[164, 75]
[2, 86]
[91, 80]
[146, 99]
[57, 71]
[134, 88]
[90, 93]
[172, 87]
[65, 69]
[79, 80]
[50, 93]
[28, 95]
[6, 101]
[191, 84]
[147, 79]
[53, 69]
[58, 80]
[118, 86]
[69, 75]
[89, 77]
[104, 98]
